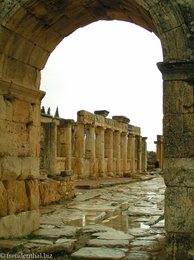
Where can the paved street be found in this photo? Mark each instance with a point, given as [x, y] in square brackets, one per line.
[104, 221]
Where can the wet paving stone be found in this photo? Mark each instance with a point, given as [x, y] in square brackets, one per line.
[98, 253]
[124, 221]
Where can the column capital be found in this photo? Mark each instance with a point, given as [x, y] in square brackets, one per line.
[180, 70]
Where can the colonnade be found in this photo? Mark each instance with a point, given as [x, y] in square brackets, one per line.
[94, 146]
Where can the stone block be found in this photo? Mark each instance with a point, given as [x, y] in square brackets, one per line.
[173, 124]
[179, 172]
[30, 168]
[179, 210]
[21, 111]
[19, 225]
[17, 196]
[188, 123]
[2, 108]
[177, 145]
[177, 97]
[10, 168]
[3, 200]
[32, 190]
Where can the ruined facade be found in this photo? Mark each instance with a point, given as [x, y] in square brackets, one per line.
[92, 147]
[29, 32]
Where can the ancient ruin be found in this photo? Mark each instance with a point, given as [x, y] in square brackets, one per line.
[29, 32]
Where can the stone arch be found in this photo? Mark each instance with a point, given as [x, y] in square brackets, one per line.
[29, 32]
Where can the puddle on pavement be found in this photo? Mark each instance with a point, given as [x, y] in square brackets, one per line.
[121, 221]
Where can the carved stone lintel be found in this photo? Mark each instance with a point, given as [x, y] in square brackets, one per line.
[181, 70]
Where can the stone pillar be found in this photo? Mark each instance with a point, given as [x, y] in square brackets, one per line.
[139, 153]
[90, 148]
[131, 152]
[178, 171]
[144, 154]
[19, 159]
[68, 147]
[79, 150]
[124, 144]
[100, 151]
[109, 151]
[52, 149]
[117, 152]
[159, 150]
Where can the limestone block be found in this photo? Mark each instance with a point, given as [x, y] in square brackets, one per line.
[34, 136]
[13, 138]
[3, 200]
[32, 190]
[49, 191]
[19, 225]
[30, 168]
[179, 210]
[21, 111]
[2, 108]
[179, 172]
[188, 123]
[173, 124]
[177, 97]
[10, 168]
[177, 145]
[17, 196]
[35, 114]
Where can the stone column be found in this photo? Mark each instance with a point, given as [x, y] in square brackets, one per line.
[178, 171]
[159, 150]
[68, 147]
[131, 152]
[109, 151]
[117, 152]
[144, 154]
[139, 153]
[90, 148]
[52, 149]
[100, 151]
[124, 144]
[79, 150]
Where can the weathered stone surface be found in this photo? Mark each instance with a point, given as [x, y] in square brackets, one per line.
[108, 242]
[17, 200]
[67, 231]
[21, 224]
[179, 210]
[53, 190]
[3, 200]
[32, 190]
[137, 255]
[179, 172]
[114, 234]
[98, 253]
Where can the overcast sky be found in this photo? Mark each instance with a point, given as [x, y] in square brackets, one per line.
[107, 66]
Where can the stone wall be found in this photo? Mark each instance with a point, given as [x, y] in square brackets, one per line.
[92, 147]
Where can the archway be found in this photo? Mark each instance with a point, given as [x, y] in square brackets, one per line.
[30, 30]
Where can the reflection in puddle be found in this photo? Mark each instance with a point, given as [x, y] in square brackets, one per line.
[121, 222]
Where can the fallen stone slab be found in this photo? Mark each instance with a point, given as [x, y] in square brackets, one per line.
[98, 253]
[136, 255]
[67, 231]
[108, 243]
[111, 235]
[96, 228]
